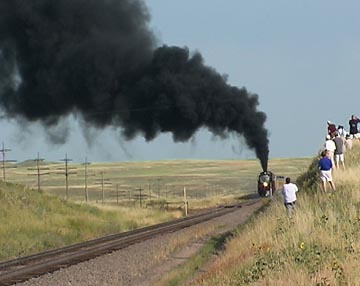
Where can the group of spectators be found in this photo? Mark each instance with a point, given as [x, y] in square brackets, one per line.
[337, 141]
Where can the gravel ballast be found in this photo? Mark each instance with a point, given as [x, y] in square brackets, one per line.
[144, 263]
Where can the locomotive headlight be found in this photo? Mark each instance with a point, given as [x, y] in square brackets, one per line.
[265, 184]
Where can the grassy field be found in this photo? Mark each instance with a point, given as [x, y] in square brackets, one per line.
[33, 220]
[319, 245]
[162, 180]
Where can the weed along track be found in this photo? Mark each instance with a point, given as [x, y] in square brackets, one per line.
[22, 269]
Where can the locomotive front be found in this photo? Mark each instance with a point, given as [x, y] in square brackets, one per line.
[266, 184]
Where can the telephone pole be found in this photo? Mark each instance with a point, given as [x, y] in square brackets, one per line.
[67, 171]
[4, 161]
[86, 164]
[103, 182]
[38, 170]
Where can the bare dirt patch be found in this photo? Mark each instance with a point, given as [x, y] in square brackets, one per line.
[223, 225]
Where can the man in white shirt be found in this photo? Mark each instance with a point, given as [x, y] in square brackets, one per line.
[289, 193]
[330, 148]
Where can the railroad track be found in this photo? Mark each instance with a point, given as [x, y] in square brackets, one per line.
[24, 268]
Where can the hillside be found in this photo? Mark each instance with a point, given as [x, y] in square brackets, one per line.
[33, 221]
[319, 246]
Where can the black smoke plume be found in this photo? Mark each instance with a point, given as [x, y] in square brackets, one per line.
[98, 59]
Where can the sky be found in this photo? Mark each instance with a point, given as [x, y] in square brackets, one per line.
[302, 58]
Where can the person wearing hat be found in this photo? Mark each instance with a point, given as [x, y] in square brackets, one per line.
[331, 128]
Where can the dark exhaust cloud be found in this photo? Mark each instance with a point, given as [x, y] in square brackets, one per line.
[98, 59]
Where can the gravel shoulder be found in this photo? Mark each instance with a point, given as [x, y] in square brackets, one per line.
[145, 263]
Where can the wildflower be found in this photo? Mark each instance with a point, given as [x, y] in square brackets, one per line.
[302, 245]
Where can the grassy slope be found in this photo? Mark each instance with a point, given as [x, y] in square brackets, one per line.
[319, 246]
[32, 221]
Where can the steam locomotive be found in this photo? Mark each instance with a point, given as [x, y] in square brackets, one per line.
[266, 184]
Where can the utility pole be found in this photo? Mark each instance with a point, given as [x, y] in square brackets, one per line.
[67, 171]
[103, 182]
[4, 161]
[86, 164]
[38, 170]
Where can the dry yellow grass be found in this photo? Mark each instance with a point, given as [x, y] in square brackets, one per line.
[203, 179]
[33, 221]
[319, 246]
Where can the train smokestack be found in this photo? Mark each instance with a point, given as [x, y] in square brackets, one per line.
[99, 60]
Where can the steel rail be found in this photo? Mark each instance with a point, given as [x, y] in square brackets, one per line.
[24, 268]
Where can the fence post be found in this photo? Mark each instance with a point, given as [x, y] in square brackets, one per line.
[86, 191]
[140, 197]
[185, 202]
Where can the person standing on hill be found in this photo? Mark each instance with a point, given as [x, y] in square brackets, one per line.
[339, 151]
[331, 127]
[330, 148]
[353, 123]
[325, 167]
[341, 131]
[348, 143]
[289, 193]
